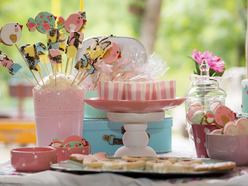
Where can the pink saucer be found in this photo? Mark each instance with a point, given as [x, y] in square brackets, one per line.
[63, 153]
[33, 159]
[130, 106]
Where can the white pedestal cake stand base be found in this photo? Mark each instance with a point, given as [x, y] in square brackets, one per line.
[135, 139]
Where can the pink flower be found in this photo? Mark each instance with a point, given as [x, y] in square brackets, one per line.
[214, 63]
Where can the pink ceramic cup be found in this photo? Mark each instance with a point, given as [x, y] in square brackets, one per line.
[58, 113]
[33, 159]
[199, 134]
[228, 147]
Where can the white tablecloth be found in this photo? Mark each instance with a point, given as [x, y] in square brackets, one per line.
[8, 176]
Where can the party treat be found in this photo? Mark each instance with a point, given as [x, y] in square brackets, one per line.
[55, 40]
[151, 164]
[240, 127]
[134, 164]
[74, 23]
[12, 67]
[31, 55]
[10, 33]
[78, 157]
[88, 158]
[55, 56]
[162, 159]
[223, 115]
[112, 54]
[189, 161]
[192, 109]
[43, 22]
[114, 164]
[131, 158]
[198, 117]
[215, 166]
[85, 63]
[176, 167]
[153, 90]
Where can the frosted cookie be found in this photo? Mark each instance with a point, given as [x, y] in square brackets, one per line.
[7, 63]
[238, 128]
[192, 109]
[85, 63]
[78, 157]
[198, 117]
[55, 56]
[215, 166]
[74, 23]
[74, 141]
[189, 161]
[155, 163]
[93, 165]
[214, 106]
[100, 155]
[10, 33]
[160, 166]
[31, 55]
[223, 115]
[162, 159]
[113, 164]
[181, 167]
[210, 117]
[112, 54]
[134, 164]
[56, 143]
[43, 22]
[141, 158]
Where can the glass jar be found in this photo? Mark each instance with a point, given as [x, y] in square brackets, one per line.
[204, 91]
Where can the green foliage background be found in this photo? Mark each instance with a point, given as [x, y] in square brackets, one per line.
[217, 26]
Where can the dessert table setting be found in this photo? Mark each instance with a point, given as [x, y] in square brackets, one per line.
[99, 109]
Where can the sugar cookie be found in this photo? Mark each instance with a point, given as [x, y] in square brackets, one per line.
[43, 22]
[74, 23]
[10, 33]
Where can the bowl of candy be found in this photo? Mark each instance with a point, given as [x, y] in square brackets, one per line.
[71, 145]
[229, 143]
[33, 159]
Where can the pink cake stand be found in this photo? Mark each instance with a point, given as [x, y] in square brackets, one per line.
[135, 115]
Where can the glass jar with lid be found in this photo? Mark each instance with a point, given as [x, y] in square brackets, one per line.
[203, 93]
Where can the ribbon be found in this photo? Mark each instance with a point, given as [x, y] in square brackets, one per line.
[217, 78]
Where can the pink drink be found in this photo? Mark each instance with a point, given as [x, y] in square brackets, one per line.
[58, 113]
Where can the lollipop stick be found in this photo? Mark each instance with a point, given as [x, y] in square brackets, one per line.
[80, 75]
[27, 64]
[27, 79]
[47, 69]
[66, 67]
[71, 65]
[83, 79]
[41, 77]
[75, 78]
[55, 71]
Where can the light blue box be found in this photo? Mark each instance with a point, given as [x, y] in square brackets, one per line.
[96, 132]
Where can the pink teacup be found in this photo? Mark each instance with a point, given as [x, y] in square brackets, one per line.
[63, 153]
[33, 159]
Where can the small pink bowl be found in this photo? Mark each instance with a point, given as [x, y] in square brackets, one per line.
[33, 159]
[228, 147]
[63, 153]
